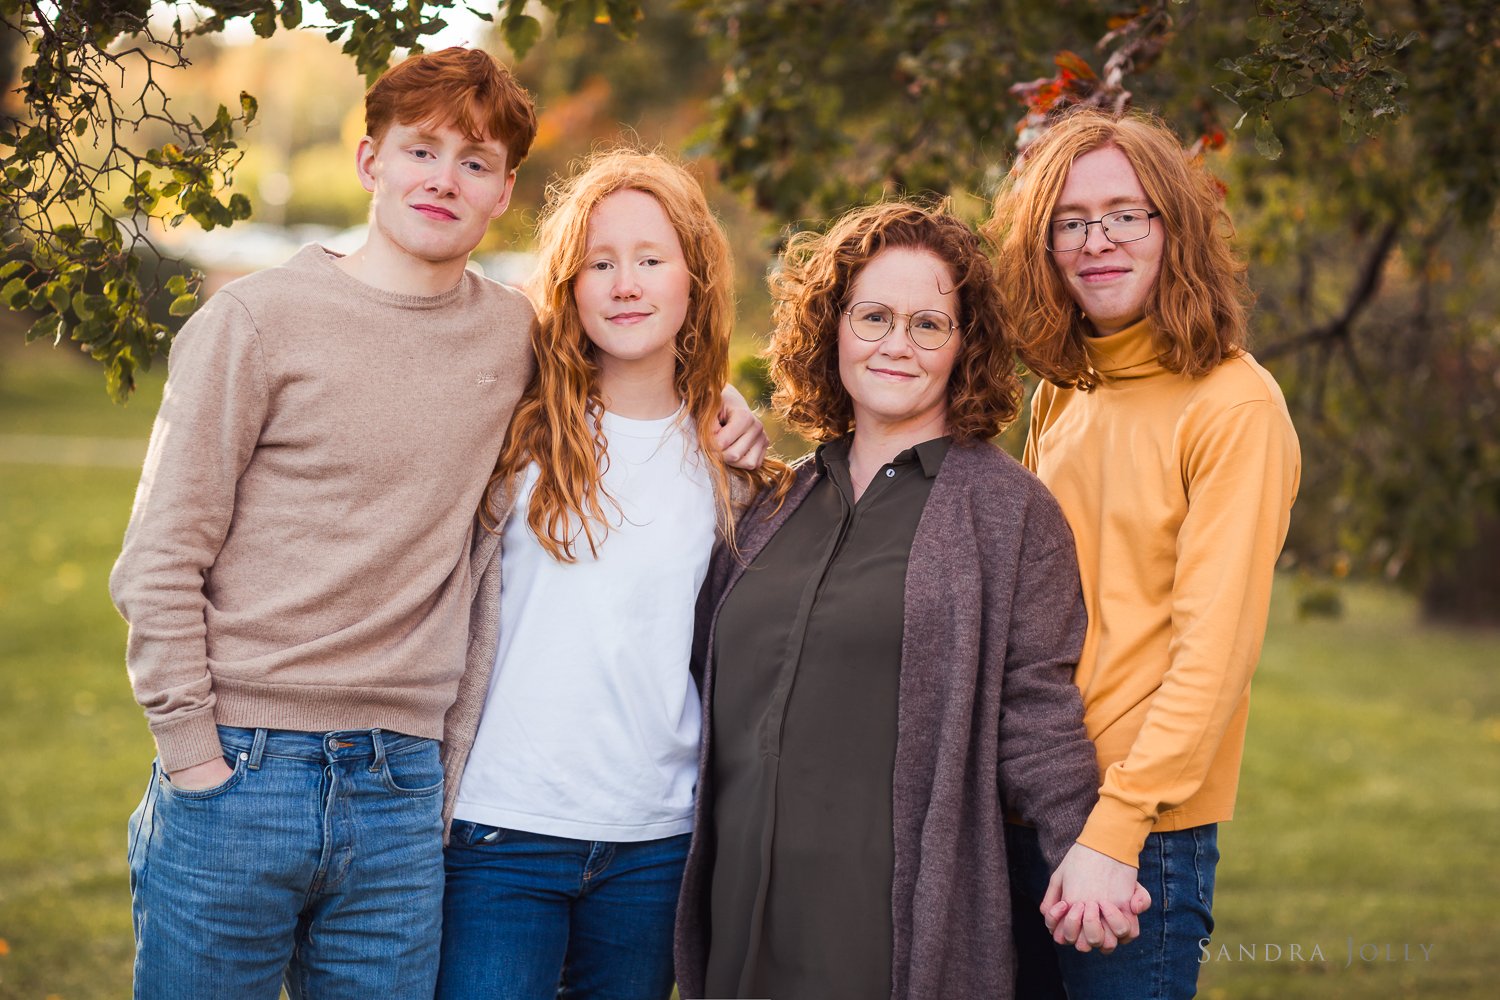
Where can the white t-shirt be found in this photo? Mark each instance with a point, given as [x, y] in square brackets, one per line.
[590, 728]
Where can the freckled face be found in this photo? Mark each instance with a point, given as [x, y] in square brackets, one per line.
[634, 289]
[435, 190]
[1111, 282]
[894, 384]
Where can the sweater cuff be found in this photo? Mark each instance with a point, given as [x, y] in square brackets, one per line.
[1117, 830]
[185, 742]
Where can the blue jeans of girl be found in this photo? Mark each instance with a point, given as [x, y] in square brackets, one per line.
[532, 917]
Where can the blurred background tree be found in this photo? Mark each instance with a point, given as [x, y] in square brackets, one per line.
[1358, 145]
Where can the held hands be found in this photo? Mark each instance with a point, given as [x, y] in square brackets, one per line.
[741, 438]
[200, 776]
[1093, 901]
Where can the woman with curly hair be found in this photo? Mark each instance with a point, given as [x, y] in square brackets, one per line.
[886, 662]
[1175, 462]
[572, 794]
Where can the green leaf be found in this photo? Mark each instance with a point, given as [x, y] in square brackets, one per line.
[8, 268]
[521, 32]
[1267, 143]
[177, 284]
[48, 326]
[239, 206]
[16, 292]
[249, 106]
[291, 13]
[58, 297]
[264, 22]
[183, 305]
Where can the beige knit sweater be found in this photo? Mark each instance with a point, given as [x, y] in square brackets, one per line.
[297, 557]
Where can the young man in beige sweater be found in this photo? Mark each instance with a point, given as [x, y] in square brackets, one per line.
[296, 577]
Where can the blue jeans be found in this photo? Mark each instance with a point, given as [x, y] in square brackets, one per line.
[532, 917]
[1177, 868]
[318, 863]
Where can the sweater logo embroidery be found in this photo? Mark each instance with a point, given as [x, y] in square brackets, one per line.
[486, 379]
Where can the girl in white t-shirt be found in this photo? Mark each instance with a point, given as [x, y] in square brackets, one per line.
[575, 808]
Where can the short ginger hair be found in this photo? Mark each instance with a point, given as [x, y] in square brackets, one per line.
[466, 88]
[809, 288]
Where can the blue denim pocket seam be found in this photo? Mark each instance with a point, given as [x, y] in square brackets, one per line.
[435, 767]
[199, 794]
[466, 833]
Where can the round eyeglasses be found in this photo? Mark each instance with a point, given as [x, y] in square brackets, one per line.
[929, 329]
[1124, 226]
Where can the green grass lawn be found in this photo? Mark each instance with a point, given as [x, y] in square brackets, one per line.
[1368, 810]
[46, 390]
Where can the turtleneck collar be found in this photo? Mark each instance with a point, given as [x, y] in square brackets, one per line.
[1130, 353]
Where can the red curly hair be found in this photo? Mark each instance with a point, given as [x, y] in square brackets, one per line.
[810, 288]
[553, 424]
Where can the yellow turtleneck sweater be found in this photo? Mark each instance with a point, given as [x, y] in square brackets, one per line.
[1178, 491]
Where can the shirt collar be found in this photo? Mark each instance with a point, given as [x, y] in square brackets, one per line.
[929, 453]
[836, 450]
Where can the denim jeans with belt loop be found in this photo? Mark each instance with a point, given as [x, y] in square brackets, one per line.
[535, 917]
[1177, 867]
[318, 864]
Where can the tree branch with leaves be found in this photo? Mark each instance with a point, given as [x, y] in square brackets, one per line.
[84, 196]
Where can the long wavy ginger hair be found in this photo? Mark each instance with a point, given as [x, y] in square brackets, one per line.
[1199, 305]
[555, 423]
[811, 289]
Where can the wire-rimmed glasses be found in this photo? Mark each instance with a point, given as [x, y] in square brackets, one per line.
[1125, 226]
[929, 329]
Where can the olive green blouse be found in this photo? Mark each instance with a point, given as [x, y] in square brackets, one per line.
[808, 647]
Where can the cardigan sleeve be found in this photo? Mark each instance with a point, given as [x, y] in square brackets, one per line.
[1048, 770]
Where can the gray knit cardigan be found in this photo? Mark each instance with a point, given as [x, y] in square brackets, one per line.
[989, 722]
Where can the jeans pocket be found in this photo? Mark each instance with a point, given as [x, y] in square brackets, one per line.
[237, 764]
[413, 771]
[468, 834]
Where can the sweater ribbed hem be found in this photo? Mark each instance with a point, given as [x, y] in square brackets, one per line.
[331, 708]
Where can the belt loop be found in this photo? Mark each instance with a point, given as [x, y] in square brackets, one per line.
[257, 749]
[379, 745]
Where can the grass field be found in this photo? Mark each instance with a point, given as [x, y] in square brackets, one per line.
[1369, 806]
